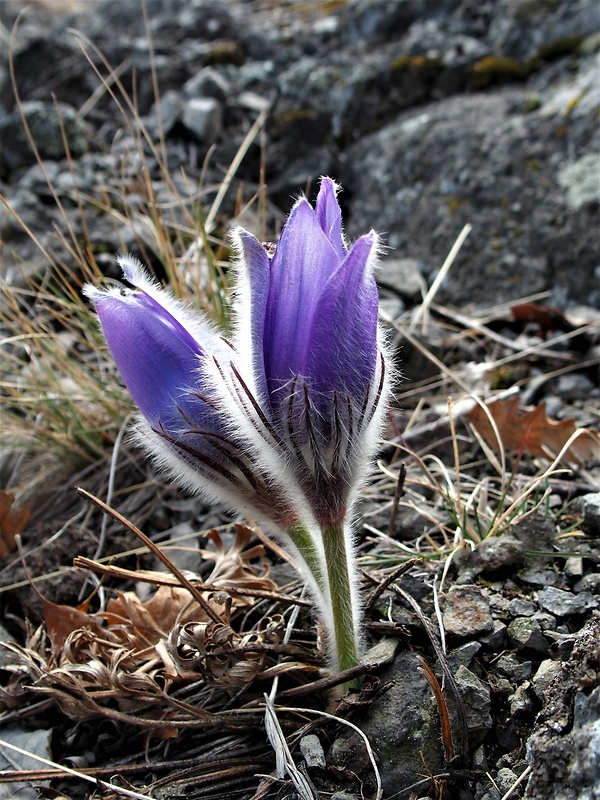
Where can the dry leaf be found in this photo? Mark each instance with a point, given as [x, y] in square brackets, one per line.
[547, 318]
[61, 621]
[140, 625]
[12, 522]
[533, 431]
[233, 567]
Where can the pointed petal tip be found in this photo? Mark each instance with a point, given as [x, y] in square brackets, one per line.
[134, 271]
[328, 184]
[92, 292]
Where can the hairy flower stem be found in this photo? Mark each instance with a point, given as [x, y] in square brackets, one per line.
[309, 551]
[340, 588]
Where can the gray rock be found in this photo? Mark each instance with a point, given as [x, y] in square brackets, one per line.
[393, 308]
[312, 751]
[251, 101]
[466, 612]
[477, 704]
[589, 583]
[44, 121]
[520, 702]
[546, 674]
[491, 794]
[496, 638]
[563, 604]
[463, 655]
[574, 387]
[564, 750]
[535, 532]
[574, 567]
[203, 116]
[207, 82]
[590, 508]
[494, 553]
[521, 608]
[397, 738]
[403, 275]
[31, 744]
[168, 113]
[580, 181]
[510, 665]
[344, 796]
[505, 779]
[526, 634]
[499, 605]
[537, 576]
[348, 752]
[438, 167]
[545, 620]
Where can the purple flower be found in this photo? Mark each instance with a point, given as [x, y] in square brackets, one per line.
[280, 422]
[308, 322]
[178, 371]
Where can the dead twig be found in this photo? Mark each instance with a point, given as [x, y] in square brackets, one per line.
[155, 578]
[398, 492]
[387, 582]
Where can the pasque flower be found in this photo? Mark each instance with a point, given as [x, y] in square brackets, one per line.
[279, 422]
[308, 323]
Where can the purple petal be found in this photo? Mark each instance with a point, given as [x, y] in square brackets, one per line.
[253, 298]
[343, 337]
[156, 356]
[329, 216]
[303, 263]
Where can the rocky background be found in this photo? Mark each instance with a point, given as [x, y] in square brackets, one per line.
[430, 114]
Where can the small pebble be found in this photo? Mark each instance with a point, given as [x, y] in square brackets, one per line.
[520, 702]
[521, 608]
[467, 612]
[589, 583]
[547, 672]
[576, 386]
[463, 655]
[499, 606]
[525, 633]
[510, 665]
[312, 751]
[349, 752]
[476, 698]
[538, 577]
[574, 567]
[546, 621]
[479, 759]
[590, 509]
[496, 552]
[505, 779]
[491, 794]
[496, 638]
[563, 604]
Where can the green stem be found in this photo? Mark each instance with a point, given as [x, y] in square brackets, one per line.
[340, 589]
[304, 541]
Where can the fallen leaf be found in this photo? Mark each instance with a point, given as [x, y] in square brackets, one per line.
[532, 430]
[547, 318]
[12, 522]
[144, 624]
[61, 621]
